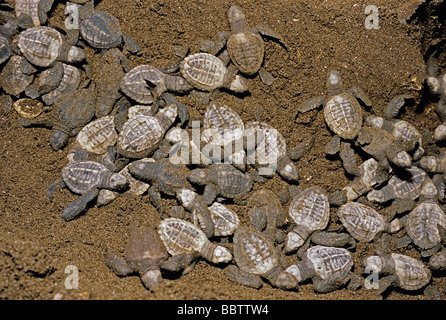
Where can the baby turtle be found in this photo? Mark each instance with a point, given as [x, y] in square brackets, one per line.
[70, 114]
[435, 164]
[43, 45]
[86, 178]
[404, 184]
[143, 255]
[52, 87]
[35, 9]
[207, 72]
[257, 257]
[364, 223]
[225, 220]
[101, 30]
[438, 261]
[141, 136]
[436, 83]
[266, 212]
[5, 48]
[164, 176]
[28, 108]
[135, 83]
[16, 75]
[221, 179]
[402, 271]
[328, 267]
[180, 237]
[342, 112]
[310, 211]
[270, 152]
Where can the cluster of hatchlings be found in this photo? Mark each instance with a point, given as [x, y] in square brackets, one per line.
[127, 128]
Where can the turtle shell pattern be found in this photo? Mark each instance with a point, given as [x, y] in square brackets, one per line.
[204, 71]
[180, 236]
[343, 115]
[134, 84]
[231, 182]
[253, 252]
[330, 263]
[422, 224]
[361, 221]
[101, 30]
[83, 176]
[225, 121]
[144, 243]
[225, 220]
[412, 273]
[16, 75]
[40, 45]
[5, 49]
[246, 51]
[98, 135]
[310, 208]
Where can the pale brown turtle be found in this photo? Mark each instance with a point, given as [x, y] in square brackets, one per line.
[226, 221]
[206, 72]
[256, 258]
[42, 46]
[401, 271]
[143, 255]
[28, 108]
[434, 163]
[141, 136]
[36, 9]
[342, 111]
[17, 74]
[86, 178]
[52, 87]
[221, 179]
[328, 267]
[270, 152]
[364, 223]
[182, 237]
[310, 211]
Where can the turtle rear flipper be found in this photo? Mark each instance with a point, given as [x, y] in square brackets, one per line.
[79, 205]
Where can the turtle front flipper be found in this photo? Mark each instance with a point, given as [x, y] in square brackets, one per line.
[267, 31]
[59, 184]
[118, 265]
[79, 205]
[311, 104]
[359, 94]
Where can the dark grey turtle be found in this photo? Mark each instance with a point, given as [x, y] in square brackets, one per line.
[245, 45]
[256, 256]
[328, 267]
[221, 179]
[143, 255]
[438, 261]
[435, 164]
[384, 147]
[68, 82]
[101, 30]
[69, 115]
[86, 178]
[36, 9]
[371, 174]
[404, 184]
[310, 211]
[181, 237]
[5, 48]
[42, 46]
[164, 176]
[107, 74]
[266, 213]
[207, 72]
[401, 271]
[342, 112]
[135, 83]
[270, 152]
[364, 223]
[436, 83]
[16, 75]
[140, 136]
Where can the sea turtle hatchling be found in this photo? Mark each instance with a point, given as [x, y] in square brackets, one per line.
[35, 9]
[86, 178]
[143, 255]
[328, 267]
[43, 45]
[256, 258]
[221, 179]
[101, 30]
[182, 237]
[5, 48]
[226, 221]
[310, 211]
[69, 81]
[140, 136]
[436, 83]
[401, 270]
[206, 72]
[435, 163]
[70, 114]
[16, 75]
[342, 111]
[270, 152]
[364, 223]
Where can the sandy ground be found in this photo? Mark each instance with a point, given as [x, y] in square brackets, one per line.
[37, 245]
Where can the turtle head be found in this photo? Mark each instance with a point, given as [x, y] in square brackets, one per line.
[142, 170]
[428, 189]
[118, 181]
[334, 83]
[236, 19]
[239, 85]
[151, 278]
[221, 255]
[59, 139]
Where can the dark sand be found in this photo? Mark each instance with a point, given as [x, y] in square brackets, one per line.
[36, 244]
